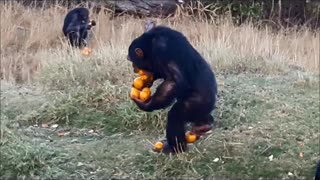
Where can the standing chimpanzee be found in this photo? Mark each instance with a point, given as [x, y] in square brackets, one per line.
[188, 79]
[76, 25]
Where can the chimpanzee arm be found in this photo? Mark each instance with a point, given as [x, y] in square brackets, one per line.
[163, 97]
[165, 93]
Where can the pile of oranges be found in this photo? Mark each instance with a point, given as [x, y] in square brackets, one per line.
[141, 86]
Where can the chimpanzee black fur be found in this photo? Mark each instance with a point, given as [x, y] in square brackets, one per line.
[317, 174]
[188, 79]
[76, 26]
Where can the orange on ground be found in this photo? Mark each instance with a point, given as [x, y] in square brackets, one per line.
[138, 83]
[134, 93]
[191, 137]
[86, 51]
[158, 146]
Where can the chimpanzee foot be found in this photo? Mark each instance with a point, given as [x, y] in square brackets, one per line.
[163, 147]
[202, 129]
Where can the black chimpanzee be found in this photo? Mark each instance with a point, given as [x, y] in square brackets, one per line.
[76, 26]
[317, 174]
[188, 79]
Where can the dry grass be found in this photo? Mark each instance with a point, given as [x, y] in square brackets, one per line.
[261, 112]
[27, 35]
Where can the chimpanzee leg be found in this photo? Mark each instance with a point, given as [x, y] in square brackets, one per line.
[175, 131]
[74, 39]
[83, 38]
[199, 114]
[203, 125]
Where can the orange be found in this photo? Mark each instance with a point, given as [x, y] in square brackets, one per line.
[141, 72]
[147, 77]
[158, 146]
[135, 93]
[145, 94]
[144, 77]
[191, 137]
[86, 51]
[138, 83]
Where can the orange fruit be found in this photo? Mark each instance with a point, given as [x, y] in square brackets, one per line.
[145, 94]
[158, 146]
[86, 51]
[144, 77]
[135, 93]
[141, 72]
[148, 78]
[138, 83]
[191, 137]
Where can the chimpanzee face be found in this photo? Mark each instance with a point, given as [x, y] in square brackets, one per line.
[139, 59]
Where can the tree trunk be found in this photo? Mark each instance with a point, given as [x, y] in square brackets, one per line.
[158, 8]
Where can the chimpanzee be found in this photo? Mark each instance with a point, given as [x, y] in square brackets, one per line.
[317, 176]
[76, 26]
[188, 79]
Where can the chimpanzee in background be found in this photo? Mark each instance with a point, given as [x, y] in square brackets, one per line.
[188, 79]
[76, 26]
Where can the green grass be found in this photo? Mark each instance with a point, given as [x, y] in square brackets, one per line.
[258, 115]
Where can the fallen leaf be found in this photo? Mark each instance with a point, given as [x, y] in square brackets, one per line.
[44, 125]
[301, 154]
[79, 164]
[66, 133]
[60, 134]
[91, 131]
[74, 140]
[54, 125]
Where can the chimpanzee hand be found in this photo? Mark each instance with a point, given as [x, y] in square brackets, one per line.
[92, 23]
[143, 105]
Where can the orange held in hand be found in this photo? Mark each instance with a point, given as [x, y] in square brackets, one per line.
[146, 76]
[138, 83]
[135, 93]
[141, 72]
[145, 94]
[191, 137]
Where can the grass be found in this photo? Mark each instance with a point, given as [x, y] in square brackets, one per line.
[268, 103]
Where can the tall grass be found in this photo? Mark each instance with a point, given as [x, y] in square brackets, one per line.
[31, 38]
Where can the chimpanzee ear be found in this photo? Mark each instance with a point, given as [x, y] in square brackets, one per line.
[139, 52]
